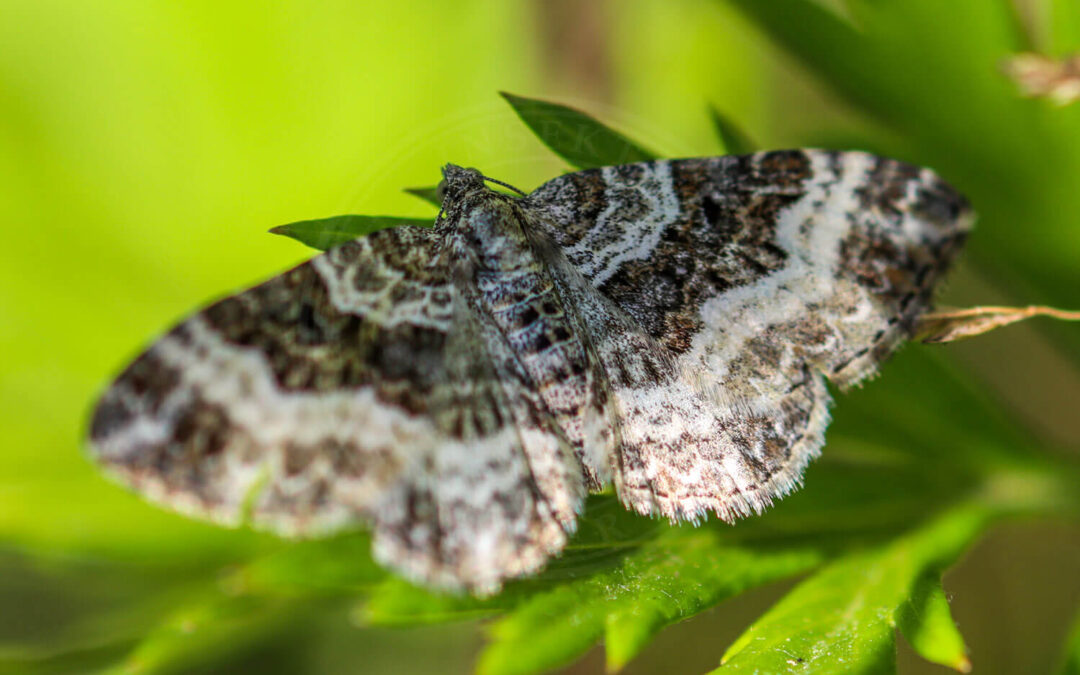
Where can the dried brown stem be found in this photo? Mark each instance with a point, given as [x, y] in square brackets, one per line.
[952, 325]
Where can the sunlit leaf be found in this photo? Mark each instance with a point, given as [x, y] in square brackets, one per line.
[329, 232]
[842, 618]
[576, 137]
[927, 624]
[667, 580]
[695, 574]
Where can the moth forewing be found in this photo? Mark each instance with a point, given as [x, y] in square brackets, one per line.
[668, 326]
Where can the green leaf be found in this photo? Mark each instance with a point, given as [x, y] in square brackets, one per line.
[927, 623]
[1070, 662]
[734, 140]
[842, 618]
[681, 573]
[429, 194]
[326, 233]
[695, 573]
[576, 137]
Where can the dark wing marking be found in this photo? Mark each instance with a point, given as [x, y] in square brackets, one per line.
[757, 276]
[358, 386]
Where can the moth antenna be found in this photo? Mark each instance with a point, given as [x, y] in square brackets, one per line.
[505, 185]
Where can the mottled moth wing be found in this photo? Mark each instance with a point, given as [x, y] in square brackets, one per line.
[668, 326]
[362, 385]
[757, 278]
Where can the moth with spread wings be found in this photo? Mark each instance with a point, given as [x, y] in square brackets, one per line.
[667, 326]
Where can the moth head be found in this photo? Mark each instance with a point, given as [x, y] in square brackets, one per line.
[458, 181]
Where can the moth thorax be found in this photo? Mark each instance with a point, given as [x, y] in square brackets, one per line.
[496, 231]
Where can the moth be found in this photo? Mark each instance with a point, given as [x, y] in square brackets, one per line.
[667, 326]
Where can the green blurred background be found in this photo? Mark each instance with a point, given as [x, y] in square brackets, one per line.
[146, 147]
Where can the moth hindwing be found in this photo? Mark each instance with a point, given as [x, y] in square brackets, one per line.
[667, 326]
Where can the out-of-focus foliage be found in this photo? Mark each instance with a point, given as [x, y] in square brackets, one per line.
[1070, 664]
[147, 146]
[733, 138]
[328, 232]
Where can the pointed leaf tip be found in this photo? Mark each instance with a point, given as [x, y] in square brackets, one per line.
[429, 194]
[926, 622]
[575, 136]
[326, 233]
[841, 619]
